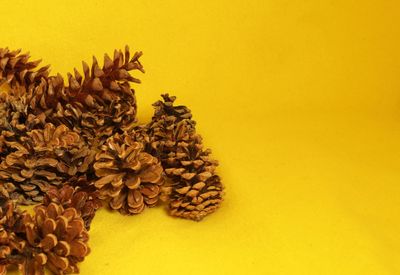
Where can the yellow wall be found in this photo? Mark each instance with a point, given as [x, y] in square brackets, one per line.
[300, 101]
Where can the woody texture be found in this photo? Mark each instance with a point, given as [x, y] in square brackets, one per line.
[195, 190]
[128, 177]
[70, 145]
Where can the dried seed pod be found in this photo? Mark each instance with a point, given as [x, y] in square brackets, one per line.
[130, 178]
[44, 158]
[100, 102]
[56, 239]
[15, 68]
[85, 203]
[194, 188]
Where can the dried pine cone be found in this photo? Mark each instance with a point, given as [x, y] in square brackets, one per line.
[11, 245]
[15, 68]
[129, 177]
[57, 239]
[194, 190]
[46, 157]
[86, 204]
[100, 102]
[162, 128]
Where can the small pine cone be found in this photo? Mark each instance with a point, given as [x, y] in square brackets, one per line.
[163, 130]
[45, 158]
[196, 189]
[86, 204]
[129, 177]
[11, 245]
[15, 68]
[57, 239]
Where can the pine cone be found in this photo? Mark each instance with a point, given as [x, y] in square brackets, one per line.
[166, 108]
[194, 188]
[15, 68]
[45, 158]
[162, 128]
[11, 245]
[129, 177]
[102, 99]
[57, 239]
[86, 204]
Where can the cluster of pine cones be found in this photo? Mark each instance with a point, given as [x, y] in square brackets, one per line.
[71, 148]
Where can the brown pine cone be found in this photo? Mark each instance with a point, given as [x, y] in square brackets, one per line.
[194, 189]
[11, 245]
[129, 177]
[57, 239]
[45, 158]
[162, 129]
[15, 68]
[103, 96]
[86, 204]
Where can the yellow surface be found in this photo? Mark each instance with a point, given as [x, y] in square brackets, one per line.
[300, 102]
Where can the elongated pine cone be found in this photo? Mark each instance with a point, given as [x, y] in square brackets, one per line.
[129, 177]
[45, 158]
[15, 68]
[11, 245]
[101, 102]
[57, 239]
[195, 190]
[86, 204]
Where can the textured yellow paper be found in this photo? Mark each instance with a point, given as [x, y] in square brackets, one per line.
[300, 101]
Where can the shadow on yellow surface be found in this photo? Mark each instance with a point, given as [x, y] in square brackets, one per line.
[299, 101]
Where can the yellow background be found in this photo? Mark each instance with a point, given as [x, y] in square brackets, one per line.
[300, 102]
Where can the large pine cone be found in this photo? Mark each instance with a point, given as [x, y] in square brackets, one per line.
[57, 239]
[129, 177]
[45, 158]
[86, 204]
[15, 68]
[101, 102]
